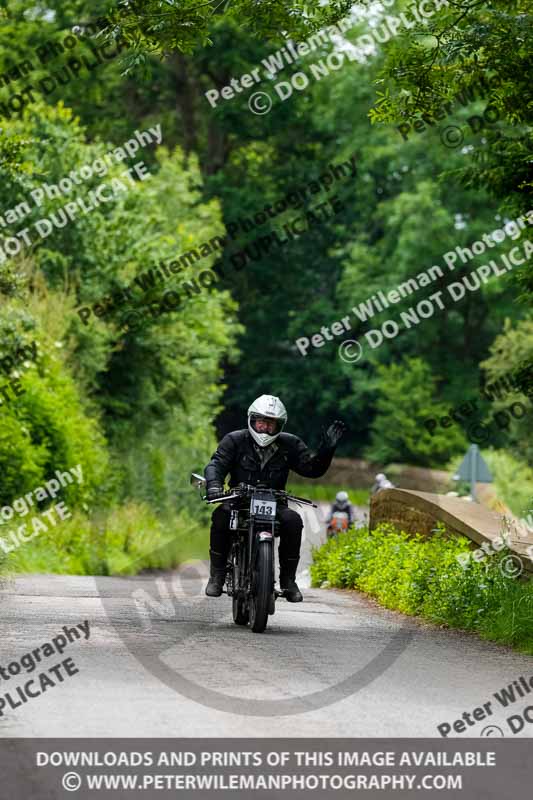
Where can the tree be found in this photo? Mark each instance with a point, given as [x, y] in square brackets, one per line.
[163, 26]
[469, 44]
[406, 397]
[511, 363]
[156, 386]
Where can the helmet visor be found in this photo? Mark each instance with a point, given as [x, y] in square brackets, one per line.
[269, 425]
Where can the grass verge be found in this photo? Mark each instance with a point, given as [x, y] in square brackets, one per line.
[420, 576]
[125, 541]
[317, 492]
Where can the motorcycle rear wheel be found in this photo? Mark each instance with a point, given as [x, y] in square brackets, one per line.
[241, 614]
[262, 589]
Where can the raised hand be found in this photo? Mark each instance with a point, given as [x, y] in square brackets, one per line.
[334, 433]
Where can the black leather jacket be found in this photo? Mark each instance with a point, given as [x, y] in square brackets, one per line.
[236, 454]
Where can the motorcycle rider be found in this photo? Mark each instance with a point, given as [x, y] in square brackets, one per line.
[382, 482]
[263, 453]
[341, 503]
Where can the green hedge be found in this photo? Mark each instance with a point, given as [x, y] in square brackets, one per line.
[47, 429]
[123, 541]
[423, 577]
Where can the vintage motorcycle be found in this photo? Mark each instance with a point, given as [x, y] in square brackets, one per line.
[339, 523]
[250, 569]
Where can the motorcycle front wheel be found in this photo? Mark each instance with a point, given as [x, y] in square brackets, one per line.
[241, 615]
[262, 588]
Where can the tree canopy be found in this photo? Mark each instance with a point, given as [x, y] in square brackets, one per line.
[370, 179]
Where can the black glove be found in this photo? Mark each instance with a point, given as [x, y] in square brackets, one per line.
[331, 437]
[214, 490]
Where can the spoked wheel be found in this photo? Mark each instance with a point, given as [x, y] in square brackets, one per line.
[241, 615]
[262, 589]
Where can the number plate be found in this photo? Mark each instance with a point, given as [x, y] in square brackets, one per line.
[265, 508]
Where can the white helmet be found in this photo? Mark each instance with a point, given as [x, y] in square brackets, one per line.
[268, 407]
[342, 498]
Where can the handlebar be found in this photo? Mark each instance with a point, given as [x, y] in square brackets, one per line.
[245, 489]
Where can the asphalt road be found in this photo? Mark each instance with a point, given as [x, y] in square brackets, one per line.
[164, 660]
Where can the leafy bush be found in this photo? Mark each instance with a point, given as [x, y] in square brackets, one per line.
[513, 481]
[134, 408]
[512, 353]
[129, 539]
[47, 429]
[407, 392]
[422, 576]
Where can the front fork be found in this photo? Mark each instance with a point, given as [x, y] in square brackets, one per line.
[262, 538]
[245, 562]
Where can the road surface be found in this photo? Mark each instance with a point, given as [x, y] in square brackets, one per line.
[163, 660]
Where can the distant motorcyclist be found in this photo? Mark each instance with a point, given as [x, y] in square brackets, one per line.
[263, 453]
[340, 510]
[382, 482]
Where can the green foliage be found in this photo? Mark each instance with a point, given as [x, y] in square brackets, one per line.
[187, 25]
[422, 576]
[46, 429]
[125, 541]
[464, 44]
[148, 397]
[326, 493]
[513, 481]
[21, 463]
[512, 353]
[406, 398]
[398, 220]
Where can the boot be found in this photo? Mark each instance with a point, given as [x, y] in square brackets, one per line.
[287, 580]
[217, 574]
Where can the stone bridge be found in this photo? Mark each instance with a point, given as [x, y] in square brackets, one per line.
[419, 512]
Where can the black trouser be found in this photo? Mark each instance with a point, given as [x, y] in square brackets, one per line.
[290, 530]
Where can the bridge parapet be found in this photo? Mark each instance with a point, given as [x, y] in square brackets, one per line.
[419, 512]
